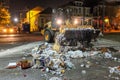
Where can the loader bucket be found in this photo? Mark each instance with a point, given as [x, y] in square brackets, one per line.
[79, 35]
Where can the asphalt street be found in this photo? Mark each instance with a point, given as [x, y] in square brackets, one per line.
[12, 40]
[97, 71]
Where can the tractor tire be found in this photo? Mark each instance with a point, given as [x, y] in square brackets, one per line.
[48, 36]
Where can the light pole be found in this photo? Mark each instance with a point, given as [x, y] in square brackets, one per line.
[29, 16]
[103, 15]
[83, 14]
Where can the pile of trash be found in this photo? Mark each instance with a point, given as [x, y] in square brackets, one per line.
[57, 59]
[47, 58]
[114, 70]
[72, 37]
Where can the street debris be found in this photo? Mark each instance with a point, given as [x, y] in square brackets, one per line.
[83, 71]
[57, 59]
[22, 64]
[55, 78]
[11, 65]
[114, 70]
[107, 55]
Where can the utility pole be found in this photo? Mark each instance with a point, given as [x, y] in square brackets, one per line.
[29, 19]
[98, 18]
[103, 15]
[20, 17]
[83, 14]
[29, 16]
[27, 9]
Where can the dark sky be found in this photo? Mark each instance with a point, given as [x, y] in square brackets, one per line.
[21, 4]
[17, 6]
[31, 3]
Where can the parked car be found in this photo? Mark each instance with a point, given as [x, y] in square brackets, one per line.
[9, 30]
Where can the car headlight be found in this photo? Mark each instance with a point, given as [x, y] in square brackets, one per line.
[4, 30]
[75, 22]
[11, 30]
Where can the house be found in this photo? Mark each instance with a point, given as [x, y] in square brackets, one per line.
[38, 16]
[105, 14]
[32, 18]
[45, 16]
[77, 10]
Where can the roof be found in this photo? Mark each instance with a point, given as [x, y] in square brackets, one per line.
[71, 3]
[114, 3]
[47, 11]
[38, 8]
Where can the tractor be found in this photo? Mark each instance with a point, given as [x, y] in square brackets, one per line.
[73, 29]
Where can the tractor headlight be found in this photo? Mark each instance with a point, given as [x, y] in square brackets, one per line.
[75, 22]
[4, 30]
[59, 21]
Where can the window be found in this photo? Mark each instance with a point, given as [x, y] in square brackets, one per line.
[87, 11]
[79, 10]
[42, 22]
[78, 3]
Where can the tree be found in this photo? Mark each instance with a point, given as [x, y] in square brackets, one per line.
[4, 16]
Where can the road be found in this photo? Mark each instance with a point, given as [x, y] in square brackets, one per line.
[12, 40]
[98, 70]
[112, 36]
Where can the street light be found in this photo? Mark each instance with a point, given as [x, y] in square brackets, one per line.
[106, 20]
[16, 19]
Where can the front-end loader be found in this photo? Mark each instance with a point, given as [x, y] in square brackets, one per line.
[74, 29]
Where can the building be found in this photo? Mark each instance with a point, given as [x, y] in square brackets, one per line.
[105, 14]
[5, 3]
[32, 18]
[45, 16]
[77, 10]
[38, 17]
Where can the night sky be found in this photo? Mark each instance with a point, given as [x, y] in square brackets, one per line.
[22, 4]
[17, 6]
